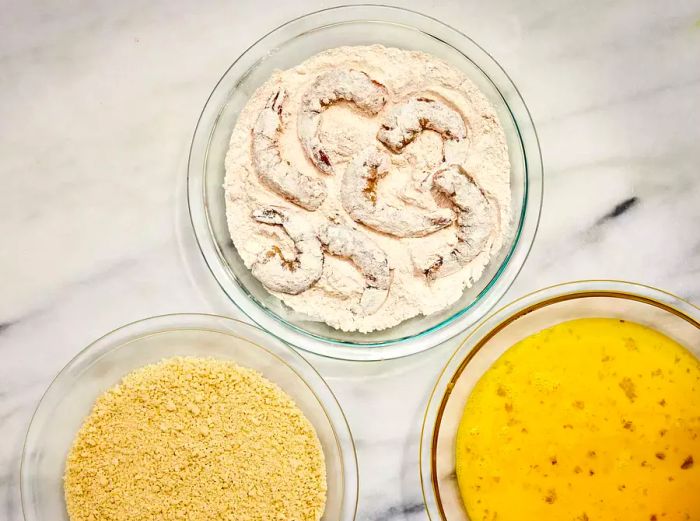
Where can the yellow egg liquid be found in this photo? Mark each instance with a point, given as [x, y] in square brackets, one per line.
[589, 420]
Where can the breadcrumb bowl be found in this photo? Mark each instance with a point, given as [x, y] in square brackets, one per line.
[104, 363]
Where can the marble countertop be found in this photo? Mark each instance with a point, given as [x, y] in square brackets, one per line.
[98, 101]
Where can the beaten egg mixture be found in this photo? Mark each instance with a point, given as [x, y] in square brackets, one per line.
[592, 419]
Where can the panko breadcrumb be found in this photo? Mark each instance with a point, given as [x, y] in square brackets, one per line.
[195, 439]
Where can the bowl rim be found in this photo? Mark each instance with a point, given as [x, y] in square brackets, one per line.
[95, 349]
[479, 336]
[510, 266]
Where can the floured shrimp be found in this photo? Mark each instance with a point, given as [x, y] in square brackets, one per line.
[358, 195]
[336, 85]
[289, 275]
[367, 256]
[477, 220]
[273, 171]
[405, 121]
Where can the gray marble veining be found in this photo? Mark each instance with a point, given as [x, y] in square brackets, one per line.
[98, 101]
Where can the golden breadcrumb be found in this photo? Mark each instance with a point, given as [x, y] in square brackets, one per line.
[195, 439]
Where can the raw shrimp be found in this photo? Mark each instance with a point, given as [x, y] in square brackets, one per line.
[405, 121]
[273, 171]
[358, 195]
[366, 255]
[476, 221]
[277, 272]
[336, 85]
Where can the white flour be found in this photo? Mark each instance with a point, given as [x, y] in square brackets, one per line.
[345, 132]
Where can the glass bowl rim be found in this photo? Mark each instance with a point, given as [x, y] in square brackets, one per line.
[86, 354]
[297, 336]
[497, 320]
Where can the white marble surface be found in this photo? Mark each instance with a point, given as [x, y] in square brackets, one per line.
[98, 101]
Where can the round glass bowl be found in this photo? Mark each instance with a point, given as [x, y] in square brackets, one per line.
[289, 45]
[102, 364]
[644, 305]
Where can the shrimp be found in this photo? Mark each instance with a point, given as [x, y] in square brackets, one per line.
[405, 121]
[336, 85]
[476, 221]
[366, 255]
[358, 195]
[277, 272]
[273, 171]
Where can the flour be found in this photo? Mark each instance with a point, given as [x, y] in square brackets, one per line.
[345, 131]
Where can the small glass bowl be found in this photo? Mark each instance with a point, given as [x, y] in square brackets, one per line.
[644, 305]
[289, 45]
[102, 364]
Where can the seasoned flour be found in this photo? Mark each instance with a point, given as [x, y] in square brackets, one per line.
[344, 132]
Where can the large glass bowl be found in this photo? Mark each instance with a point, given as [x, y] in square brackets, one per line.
[648, 306]
[287, 46]
[102, 364]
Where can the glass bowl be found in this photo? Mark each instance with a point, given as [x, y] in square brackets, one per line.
[289, 45]
[645, 305]
[103, 363]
